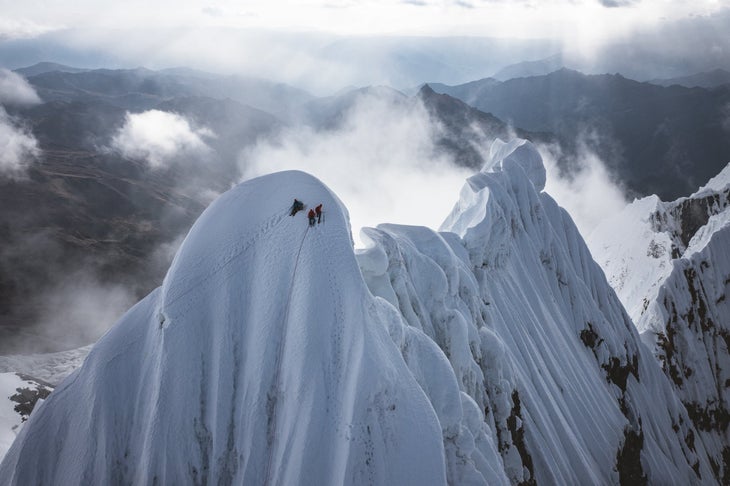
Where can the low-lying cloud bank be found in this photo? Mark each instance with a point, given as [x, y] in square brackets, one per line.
[381, 161]
[588, 192]
[159, 137]
[15, 90]
[18, 147]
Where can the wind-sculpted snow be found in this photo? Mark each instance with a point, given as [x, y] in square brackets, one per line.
[674, 278]
[262, 359]
[492, 352]
[535, 335]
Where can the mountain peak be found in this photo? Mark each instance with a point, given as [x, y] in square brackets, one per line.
[48, 67]
[262, 359]
[426, 90]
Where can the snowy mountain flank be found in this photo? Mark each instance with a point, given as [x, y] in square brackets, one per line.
[679, 299]
[491, 352]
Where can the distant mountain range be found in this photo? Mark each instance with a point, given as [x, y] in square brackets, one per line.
[48, 67]
[530, 68]
[654, 139]
[710, 79]
[141, 88]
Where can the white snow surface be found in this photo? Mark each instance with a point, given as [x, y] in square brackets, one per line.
[262, 359]
[636, 258]
[506, 290]
[492, 352]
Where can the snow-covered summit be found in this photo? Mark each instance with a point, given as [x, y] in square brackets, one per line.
[261, 360]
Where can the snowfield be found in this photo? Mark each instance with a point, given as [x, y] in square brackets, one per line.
[491, 352]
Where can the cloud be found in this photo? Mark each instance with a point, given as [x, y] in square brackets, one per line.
[15, 90]
[588, 192]
[415, 3]
[617, 3]
[79, 309]
[667, 47]
[20, 28]
[159, 137]
[18, 147]
[381, 162]
[726, 116]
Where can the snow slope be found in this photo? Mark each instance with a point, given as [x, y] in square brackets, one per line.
[670, 265]
[492, 352]
[262, 359]
[535, 334]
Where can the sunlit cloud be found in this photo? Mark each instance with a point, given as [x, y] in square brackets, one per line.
[18, 147]
[416, 3]
[159, 137]
[15, 90]
[617, 3]
[13, 28]
[367, 17]
[80, 308]
[588, 192]
[382, 163]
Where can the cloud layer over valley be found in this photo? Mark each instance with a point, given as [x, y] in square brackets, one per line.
[159, 138]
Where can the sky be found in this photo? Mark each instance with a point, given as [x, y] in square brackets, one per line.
[589, 19]
[326, 45]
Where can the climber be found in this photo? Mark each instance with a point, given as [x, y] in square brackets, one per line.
[318, 210]
[297, 206]
[312, 218]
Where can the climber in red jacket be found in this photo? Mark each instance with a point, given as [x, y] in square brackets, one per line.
[318, 210]
[311, 216]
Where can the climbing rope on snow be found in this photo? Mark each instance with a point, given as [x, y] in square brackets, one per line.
[272, 399]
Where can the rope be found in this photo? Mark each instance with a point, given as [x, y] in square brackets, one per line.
[279, 353]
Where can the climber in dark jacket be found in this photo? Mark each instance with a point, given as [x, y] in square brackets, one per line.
[312, 218]
[297, 206]
[318, 210]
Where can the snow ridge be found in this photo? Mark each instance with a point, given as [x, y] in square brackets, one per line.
[185, 388]
[535, 335]
[680, 302]
[491, 352]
